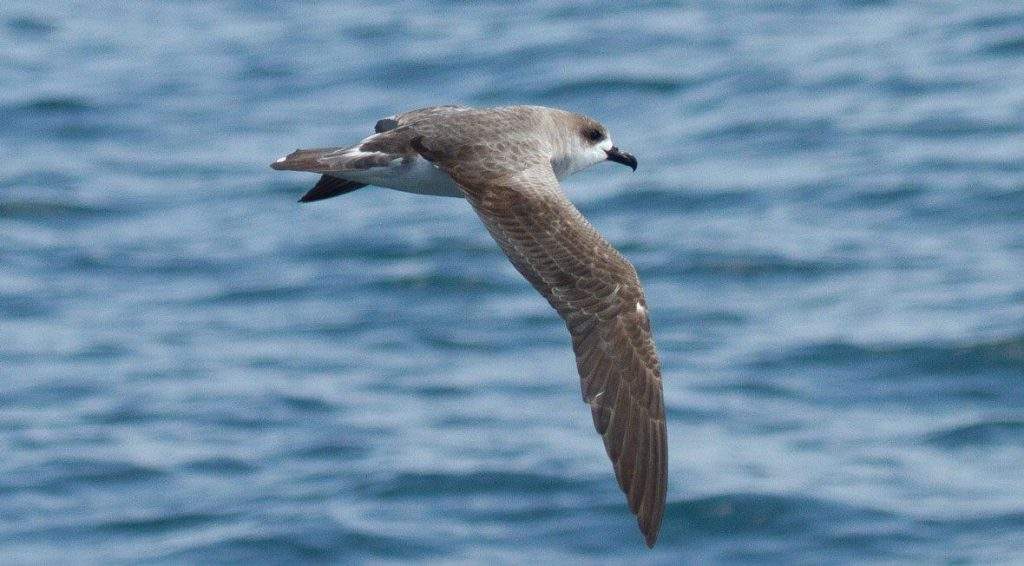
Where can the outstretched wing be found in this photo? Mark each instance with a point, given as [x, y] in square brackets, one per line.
[378, 150]
[596, 291]
[390, 142]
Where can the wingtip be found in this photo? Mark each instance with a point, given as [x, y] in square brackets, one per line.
[651, 538]
[649, 528]
[649, 519]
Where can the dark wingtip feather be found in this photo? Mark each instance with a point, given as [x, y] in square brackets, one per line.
[328, 187]
[650, 537]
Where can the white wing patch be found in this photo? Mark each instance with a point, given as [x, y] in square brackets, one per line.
[416, 175]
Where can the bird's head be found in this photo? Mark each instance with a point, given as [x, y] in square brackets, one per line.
[581, 142]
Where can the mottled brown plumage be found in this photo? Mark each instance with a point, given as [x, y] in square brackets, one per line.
[506, 161]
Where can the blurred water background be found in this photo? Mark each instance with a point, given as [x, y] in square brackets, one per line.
[195, 368]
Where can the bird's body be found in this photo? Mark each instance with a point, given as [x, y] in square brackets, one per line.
[414, 175]
[507, 162]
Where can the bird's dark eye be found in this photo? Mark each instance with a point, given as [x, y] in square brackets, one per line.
[594, 135]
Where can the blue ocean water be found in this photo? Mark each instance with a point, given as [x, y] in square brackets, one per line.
[195, 368]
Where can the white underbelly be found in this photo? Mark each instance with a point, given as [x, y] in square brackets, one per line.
[418, 176]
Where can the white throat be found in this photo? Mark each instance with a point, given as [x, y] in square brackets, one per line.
[579, 158]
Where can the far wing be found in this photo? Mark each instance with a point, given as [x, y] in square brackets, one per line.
[378, 150]
[390, 142]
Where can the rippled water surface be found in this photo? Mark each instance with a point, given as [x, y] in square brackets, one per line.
[195, 368]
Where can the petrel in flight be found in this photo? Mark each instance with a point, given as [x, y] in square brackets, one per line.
[507, 163]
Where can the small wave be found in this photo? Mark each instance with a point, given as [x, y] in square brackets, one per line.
[331, 450]
[801, 131]
[43, 178]
[56, 104]
[973, 357]
[31, 26]
[437, 391]
[432, 484]
[767, 513]
[984, 523]
[219, 465]
[884, 197]
[55, 211]
[759, 506]
[903, 85]
[258, 294]
[442, 283]
[121, 415]
[373, 249]
[1010, 47]
[1009, 203]
[465, 343]
[750, 266]
[100, 351]
[316, 544]
[150, 524]
[306, 404]
[274, 549]
[985, 433]
[755, 389]
[610, 85]
[61, 392]
[964, 164]
[991, 21]
[692, 414]
[951, 127]
[18, 306]
[259, 71]
[669, 201]
[67, 474]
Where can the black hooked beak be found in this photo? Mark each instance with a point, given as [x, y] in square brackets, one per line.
[619, 156]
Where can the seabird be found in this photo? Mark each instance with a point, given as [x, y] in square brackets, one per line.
[507, 162]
